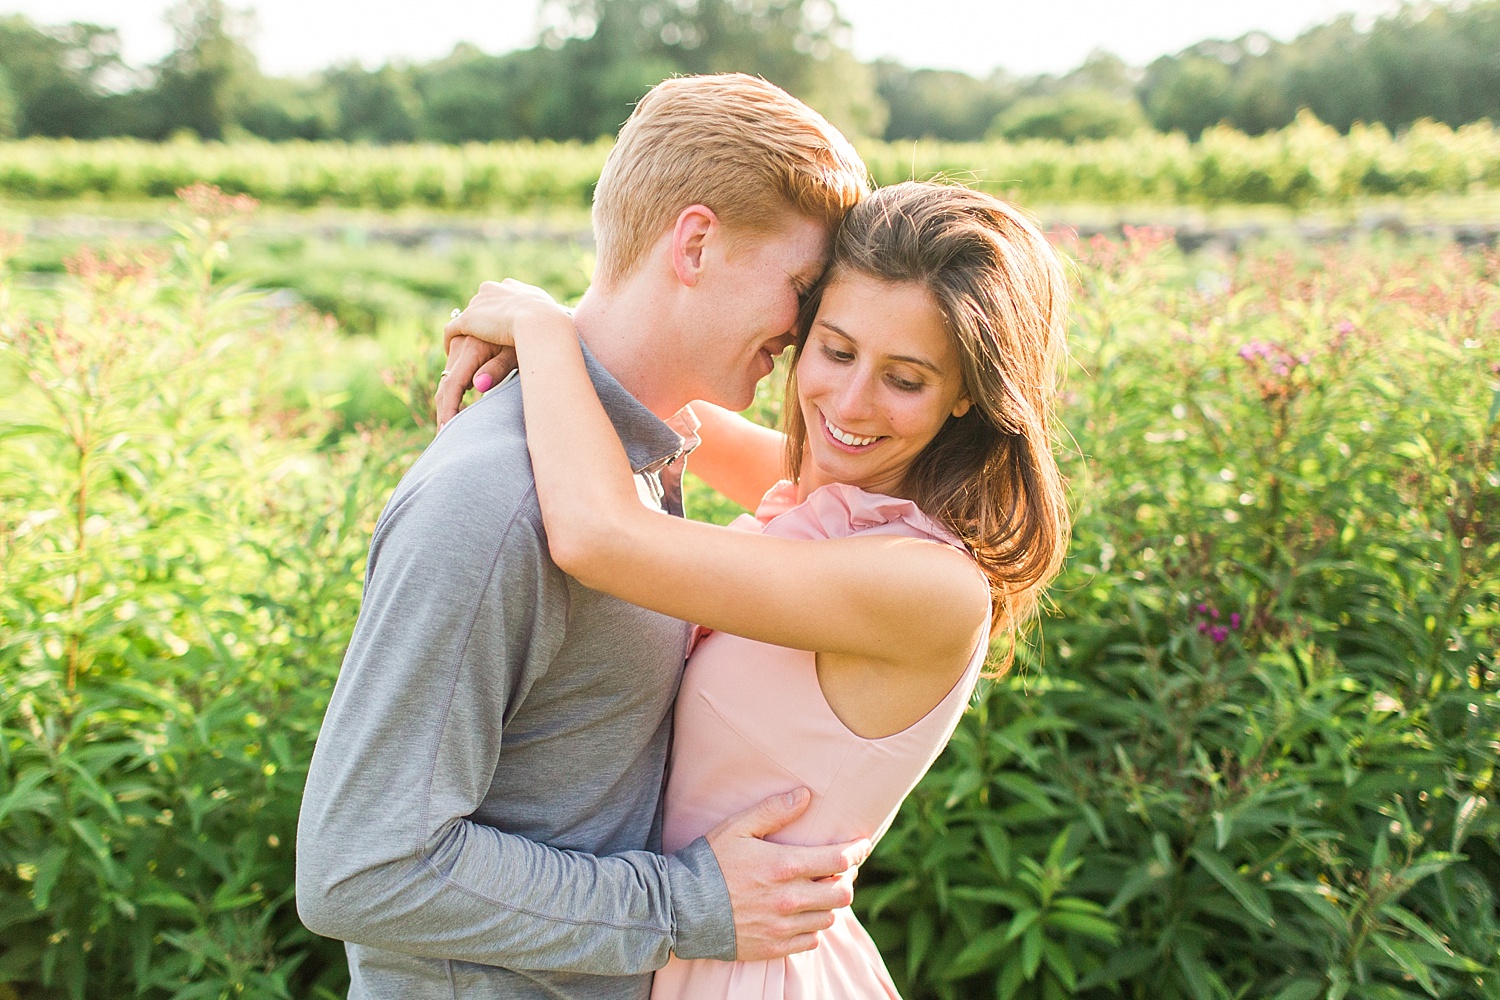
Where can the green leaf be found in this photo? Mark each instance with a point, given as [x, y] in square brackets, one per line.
[1011, 978]
[1031, 951]
[1096, 824]
[919, 935]
[1075, 904]
[1201, 982]
[1301, 989]
[1025, 789]
[1408, 962]
[1021, 923]
[1252, 897]
[977, 954]
[1123, 963]
[966, 784]
[24, 796]
[1468, 811]
[997, 844]
[1223, 826]
[1089, 926]
[1415, 924]
[89, 833]
[1057, 960]
[1338, 985]
[48, 870]
[167, 899]
[9, 429]
[1136, 881]
[1008, 898]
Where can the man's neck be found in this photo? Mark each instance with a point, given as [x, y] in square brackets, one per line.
[625, 337]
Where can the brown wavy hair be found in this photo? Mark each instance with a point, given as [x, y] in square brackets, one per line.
[990, 476]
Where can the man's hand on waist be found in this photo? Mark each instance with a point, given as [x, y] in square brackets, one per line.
[782, 895]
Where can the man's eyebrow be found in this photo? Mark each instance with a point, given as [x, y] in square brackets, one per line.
[909, 359]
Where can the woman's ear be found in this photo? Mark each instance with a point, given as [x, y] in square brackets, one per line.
[695, 229]
[962, 406]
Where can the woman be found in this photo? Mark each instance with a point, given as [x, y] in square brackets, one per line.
[844, 624]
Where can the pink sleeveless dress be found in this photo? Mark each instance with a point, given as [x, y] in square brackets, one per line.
[752, 722]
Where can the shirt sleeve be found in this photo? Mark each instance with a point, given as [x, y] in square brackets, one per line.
[448, 637]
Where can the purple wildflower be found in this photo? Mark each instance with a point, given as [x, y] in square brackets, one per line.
[1203, 628]
[1218, 633]
[1234, 621]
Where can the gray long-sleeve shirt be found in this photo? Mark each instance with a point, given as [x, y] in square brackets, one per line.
[483, 806]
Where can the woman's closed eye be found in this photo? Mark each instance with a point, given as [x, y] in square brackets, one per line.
[834, 354]
[905, 385]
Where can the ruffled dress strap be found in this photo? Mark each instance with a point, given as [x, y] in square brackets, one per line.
[839, 510]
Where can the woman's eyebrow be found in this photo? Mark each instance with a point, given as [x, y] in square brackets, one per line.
[919, 362]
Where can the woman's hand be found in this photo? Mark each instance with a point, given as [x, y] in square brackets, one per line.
[480, 340]
[498, 308]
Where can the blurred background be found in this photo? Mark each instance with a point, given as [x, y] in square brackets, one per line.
[962, 70]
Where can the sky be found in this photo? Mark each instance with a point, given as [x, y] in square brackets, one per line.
[976, 36]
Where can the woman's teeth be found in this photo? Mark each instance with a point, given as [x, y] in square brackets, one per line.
[847, 438]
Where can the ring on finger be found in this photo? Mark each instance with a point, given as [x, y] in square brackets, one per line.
[445, 374]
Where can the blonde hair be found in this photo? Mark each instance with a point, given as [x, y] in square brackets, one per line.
[990, 476]
[743, 147]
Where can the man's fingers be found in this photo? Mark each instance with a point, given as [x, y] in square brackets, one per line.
[817, 898]
[766, 816]
[829, 859]
[802, 942]
[465, 356]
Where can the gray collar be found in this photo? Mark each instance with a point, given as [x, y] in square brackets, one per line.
[649, 443]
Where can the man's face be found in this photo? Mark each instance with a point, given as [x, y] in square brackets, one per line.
[751, 309]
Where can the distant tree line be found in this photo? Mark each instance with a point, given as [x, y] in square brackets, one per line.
[596, 57]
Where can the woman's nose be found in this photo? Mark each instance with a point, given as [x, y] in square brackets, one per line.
[855, 398]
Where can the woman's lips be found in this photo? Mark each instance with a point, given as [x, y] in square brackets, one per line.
[853, 449]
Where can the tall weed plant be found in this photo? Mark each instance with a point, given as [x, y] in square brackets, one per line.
[1253, 754]
[181, 566]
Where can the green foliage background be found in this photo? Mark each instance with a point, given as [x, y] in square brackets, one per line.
[1305, 164]
[1251, 753]
[595, 58]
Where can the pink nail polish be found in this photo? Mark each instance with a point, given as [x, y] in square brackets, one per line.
[483, 382]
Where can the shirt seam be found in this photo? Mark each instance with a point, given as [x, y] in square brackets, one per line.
[426, 862]
[425, 846]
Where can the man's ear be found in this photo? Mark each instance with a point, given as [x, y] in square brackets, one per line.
[694, 232]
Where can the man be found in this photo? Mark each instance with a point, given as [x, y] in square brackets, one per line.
[484, 797]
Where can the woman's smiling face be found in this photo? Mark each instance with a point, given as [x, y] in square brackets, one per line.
[876, 380]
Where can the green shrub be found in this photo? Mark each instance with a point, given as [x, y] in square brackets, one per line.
[1254, 752]
[1071, 116]
[181, 568]
[1251, 755]
[1107, 159]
